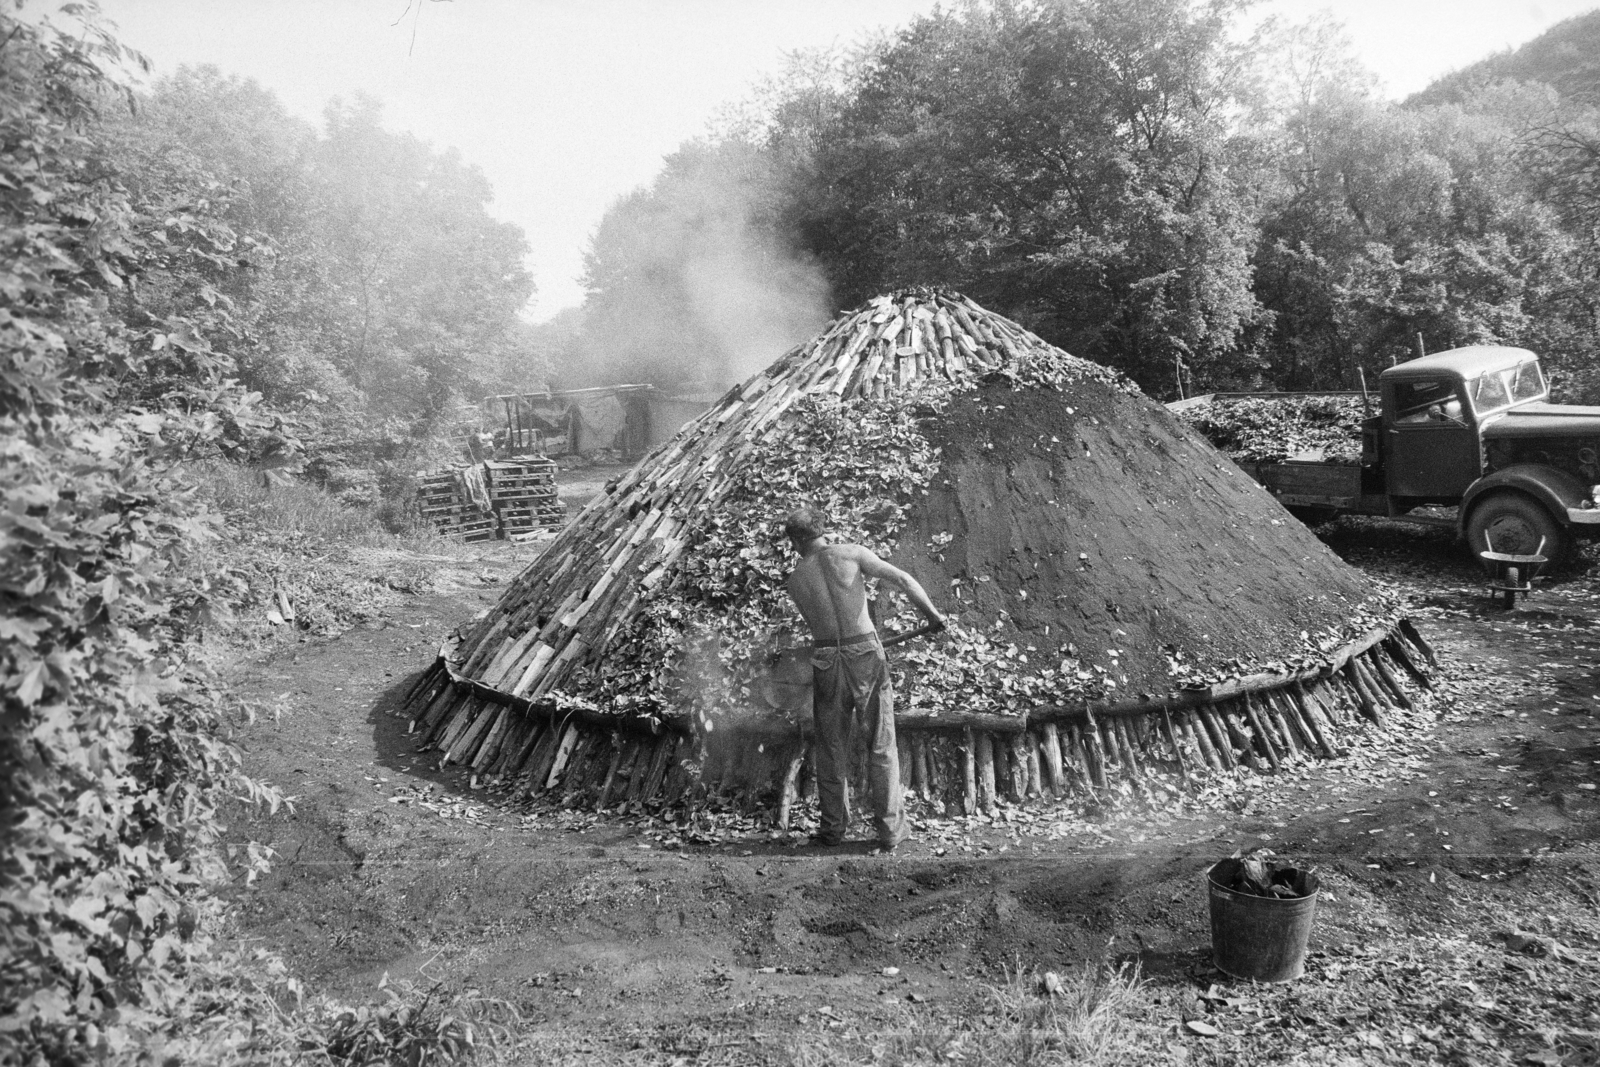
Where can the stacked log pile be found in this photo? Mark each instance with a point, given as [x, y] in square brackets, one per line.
[962, 764]
[522, 497]
[527, 696]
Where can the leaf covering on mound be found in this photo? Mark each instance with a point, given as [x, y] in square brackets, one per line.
[704, 638]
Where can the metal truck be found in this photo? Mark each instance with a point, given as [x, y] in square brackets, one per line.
[1471, 429]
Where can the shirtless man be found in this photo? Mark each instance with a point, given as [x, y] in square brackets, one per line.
[849, 672]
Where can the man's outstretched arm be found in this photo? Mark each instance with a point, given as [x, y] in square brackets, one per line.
[875, 567]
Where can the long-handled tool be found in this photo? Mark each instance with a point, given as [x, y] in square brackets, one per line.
[926, 628]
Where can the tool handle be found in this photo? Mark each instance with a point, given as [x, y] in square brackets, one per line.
[909, 634]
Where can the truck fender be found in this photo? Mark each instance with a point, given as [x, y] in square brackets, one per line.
[1557, 490]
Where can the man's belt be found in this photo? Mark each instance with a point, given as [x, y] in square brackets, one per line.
[870, 635]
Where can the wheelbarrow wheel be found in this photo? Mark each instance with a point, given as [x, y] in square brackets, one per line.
[1508, 597]
[1515, 523]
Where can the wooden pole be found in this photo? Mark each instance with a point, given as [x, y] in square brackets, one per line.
[1263, 739]
[969, 763]
[1177, 747]
[791, 790]
[985, 758]
[1050, 745]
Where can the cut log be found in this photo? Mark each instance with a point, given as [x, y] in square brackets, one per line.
[984, 754]
[1219, 738]
[1408, 630]
[1368, 680]
[1397, 649]
[1017, 766]
[1363, 699]
[650, 753]
[1308, 719]
[1177, 746]
[1105, 732]
[1258, 728]
[969, 772]
[1094, 755]
[543, 758]
[1386, 675]
[1035, 771]
[666, 750]
[569, 741]
[1129, 752]
[624, 750]
[1196, 732]
[1280, 719]
[1050, 748]
[577, 766]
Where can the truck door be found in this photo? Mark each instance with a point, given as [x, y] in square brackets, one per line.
[1433, 448]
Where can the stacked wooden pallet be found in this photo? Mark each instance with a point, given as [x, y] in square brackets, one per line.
[445, 502]
[522, 497]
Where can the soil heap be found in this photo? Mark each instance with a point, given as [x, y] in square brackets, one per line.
[1125, 601]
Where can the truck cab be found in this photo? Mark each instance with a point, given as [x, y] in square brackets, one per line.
[1474, 427]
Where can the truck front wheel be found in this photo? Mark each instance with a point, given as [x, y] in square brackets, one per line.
[1515, 524]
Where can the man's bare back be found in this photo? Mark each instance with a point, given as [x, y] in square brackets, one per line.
[830, 589]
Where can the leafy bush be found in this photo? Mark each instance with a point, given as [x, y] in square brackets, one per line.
[110, 767]
[412, 1030]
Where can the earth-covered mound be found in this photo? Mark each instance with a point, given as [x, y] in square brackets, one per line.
[1104, 538]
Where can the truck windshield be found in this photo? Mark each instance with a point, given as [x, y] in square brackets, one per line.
[1527, 383]
[1489, 392]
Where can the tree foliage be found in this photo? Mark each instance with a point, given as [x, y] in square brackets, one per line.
[1069, 165]
[111, 314]
[380, 281]
[1142, 185]
[1390, 224]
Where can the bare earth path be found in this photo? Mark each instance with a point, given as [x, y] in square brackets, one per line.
[624, 940]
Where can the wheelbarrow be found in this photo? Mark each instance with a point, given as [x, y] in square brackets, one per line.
[1513, 573]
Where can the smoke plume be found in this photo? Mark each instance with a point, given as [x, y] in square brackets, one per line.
[693, 283]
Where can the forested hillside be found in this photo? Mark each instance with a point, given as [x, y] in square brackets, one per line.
[1138, 184]
[1565, 57]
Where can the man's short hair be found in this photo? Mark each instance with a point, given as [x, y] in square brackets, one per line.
[805, 523]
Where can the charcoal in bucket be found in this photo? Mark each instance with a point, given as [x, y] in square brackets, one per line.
[1261, 915]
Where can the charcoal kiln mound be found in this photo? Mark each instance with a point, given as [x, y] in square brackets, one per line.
[1100, 530]
[1126, 604]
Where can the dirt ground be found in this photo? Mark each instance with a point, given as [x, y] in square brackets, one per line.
[628, 940]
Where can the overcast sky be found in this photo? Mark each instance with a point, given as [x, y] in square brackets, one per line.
[568, 104]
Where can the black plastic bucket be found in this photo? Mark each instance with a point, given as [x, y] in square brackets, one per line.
[1260, 937]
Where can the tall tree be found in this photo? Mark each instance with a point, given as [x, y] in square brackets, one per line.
[423, 279]
[1387, 223]
[1072, 164]
[379, 279]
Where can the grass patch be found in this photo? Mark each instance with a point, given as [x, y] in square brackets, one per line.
[1095, 1016]
[296, 559]
[304, 511]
